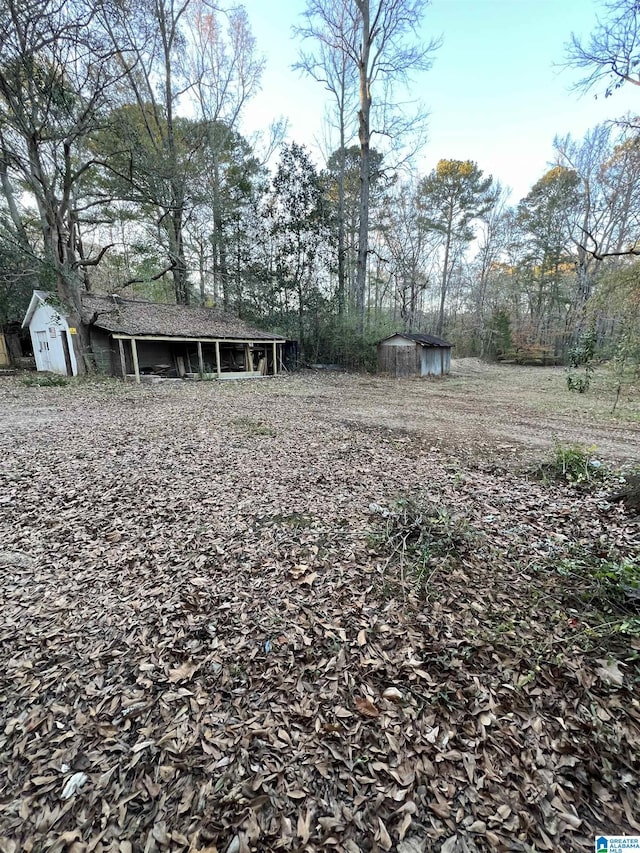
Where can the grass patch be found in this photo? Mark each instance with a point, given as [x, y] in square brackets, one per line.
[45, 381]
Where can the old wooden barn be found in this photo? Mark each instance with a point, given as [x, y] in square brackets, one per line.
[136, 338]
[403, 355]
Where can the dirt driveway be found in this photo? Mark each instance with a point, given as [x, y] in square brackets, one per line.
[481, 411]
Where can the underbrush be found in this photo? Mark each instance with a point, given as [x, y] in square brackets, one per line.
[420, 537]
[44, 381]
[573, 463]
[604, 592]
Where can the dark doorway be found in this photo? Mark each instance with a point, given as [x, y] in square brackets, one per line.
[67, 353]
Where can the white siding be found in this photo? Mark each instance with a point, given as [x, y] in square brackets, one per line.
[47, 328]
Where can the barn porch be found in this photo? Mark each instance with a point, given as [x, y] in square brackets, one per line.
[197, 358]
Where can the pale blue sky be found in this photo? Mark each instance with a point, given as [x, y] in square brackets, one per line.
[493, 94]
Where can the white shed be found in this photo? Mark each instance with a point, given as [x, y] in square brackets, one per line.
[50, 336]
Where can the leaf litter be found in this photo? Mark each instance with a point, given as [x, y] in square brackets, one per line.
[205, 646]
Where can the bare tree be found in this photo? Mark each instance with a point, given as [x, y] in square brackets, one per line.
[226, 69]
[335, 70]
[611, 55]
[55, 75]
[149, 41]
[378, 39]
[408, 245]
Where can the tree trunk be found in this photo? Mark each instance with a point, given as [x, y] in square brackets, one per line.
[364, 136]
[445, 276]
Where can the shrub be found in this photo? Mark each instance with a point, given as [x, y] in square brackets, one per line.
[574, 464]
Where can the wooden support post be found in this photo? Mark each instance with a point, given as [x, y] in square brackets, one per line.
[248, 358]
[200, 359]
[123, 361]
[275, 358]
[134, 355]
[218, 368]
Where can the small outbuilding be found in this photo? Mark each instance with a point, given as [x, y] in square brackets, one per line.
[404, 355]
[50, 335]
[134, 338]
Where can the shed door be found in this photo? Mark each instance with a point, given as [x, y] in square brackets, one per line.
[43, 349]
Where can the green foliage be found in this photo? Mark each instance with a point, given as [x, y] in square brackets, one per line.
[581, 362]
[611, 585]
[45, 380]
[338, 341]
[453, 195]
[500, 340]
[574, 463]
[620, 296]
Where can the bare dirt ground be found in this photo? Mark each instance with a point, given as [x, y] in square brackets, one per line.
[219, 634]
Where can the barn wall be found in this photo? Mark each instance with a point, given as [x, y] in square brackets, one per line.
[104, 352]
[398, 341]
[399, 360]
[5, 361]
[431, 361]
[436, 361]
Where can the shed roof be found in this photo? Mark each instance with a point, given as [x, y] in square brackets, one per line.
[138, 318]
[420, 338]
[38, 297]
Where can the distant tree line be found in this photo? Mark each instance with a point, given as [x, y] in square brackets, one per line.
[123, 168]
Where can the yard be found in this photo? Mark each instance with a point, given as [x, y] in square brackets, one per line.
[318, 611]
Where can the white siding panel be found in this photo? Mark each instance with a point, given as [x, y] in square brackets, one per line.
[47, 328]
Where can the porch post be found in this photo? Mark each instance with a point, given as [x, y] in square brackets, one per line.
[275, 358]
[134, 355]
[123, 361]
[218, 369]
[248, 358]
[200, 359]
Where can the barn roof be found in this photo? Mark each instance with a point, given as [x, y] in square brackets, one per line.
[420, 338]
[138, 318]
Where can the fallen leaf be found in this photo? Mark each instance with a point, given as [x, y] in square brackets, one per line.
[393, 694]
[366, 708]
[184, 672]
[609, 672]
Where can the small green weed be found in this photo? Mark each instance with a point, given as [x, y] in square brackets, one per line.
[573, 463]
[609, 585]
[581, 366]
[294, 520]
[45, 381]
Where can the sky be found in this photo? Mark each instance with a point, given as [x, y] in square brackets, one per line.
[497, 92]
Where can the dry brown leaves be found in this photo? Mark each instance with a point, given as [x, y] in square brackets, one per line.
[202, 650]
